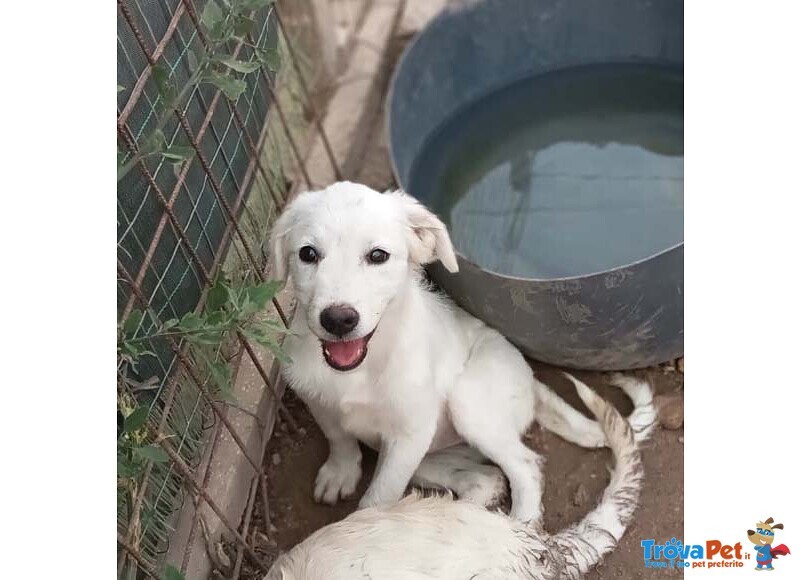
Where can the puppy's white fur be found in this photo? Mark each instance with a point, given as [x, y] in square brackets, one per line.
[439, 538]
[434, 376]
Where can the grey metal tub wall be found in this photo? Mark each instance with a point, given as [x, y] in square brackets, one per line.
[628, 317]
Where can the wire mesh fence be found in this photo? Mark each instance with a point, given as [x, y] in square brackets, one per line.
[208, 166]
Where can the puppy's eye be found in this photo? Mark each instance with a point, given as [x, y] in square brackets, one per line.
[309, 255]
[377, 256]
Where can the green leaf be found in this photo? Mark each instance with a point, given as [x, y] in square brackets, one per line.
[164, 84]
[272, 326]
[212, 15]
[131, 324]
[269, 342]
[153, 453]
[260, 295]
[253, 334]
[148, 385]
[212, 338]
[251, 4]
[232, 87]
[169, 324]
[270, 57]
[120, 88]
[126, 469]
[154, 143]
[246, 307]
[129, 351]
[126, 347]
[136, 420]
[218, 320]
[191, 322]
[132, 352]
[239, 65]
[218, 297]
[221, 373]
[178, 153]
[242, 26]
[172, 573]
[278, 352]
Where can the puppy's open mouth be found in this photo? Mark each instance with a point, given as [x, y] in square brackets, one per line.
[345, 355]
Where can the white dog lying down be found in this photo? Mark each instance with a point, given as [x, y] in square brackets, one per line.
[379, 358]
[445, 539]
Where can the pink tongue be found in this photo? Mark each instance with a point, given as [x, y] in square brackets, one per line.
[345, 353]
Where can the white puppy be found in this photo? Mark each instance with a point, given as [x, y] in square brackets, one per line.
[418, 539]
[379, 358]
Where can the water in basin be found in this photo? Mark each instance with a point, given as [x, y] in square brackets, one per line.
[567, 174]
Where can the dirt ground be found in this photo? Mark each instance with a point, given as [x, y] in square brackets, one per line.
[574, 477]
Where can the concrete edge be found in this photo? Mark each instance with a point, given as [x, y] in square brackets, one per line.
[228, 471]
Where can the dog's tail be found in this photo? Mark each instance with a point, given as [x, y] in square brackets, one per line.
[561, 418]
[583, 544]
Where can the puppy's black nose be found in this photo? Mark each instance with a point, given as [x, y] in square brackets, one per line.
[339, 320]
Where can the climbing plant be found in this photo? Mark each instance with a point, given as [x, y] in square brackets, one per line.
[222, 21]
[230, 309]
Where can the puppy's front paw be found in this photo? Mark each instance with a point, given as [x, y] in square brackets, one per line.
[335, 479]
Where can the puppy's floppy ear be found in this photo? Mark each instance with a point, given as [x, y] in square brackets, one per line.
[278, 255]
[428, 237]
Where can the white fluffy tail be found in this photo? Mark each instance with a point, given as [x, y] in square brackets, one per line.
[585, 543]
[561, 418]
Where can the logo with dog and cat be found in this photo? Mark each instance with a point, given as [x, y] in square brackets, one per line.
[717, 554]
